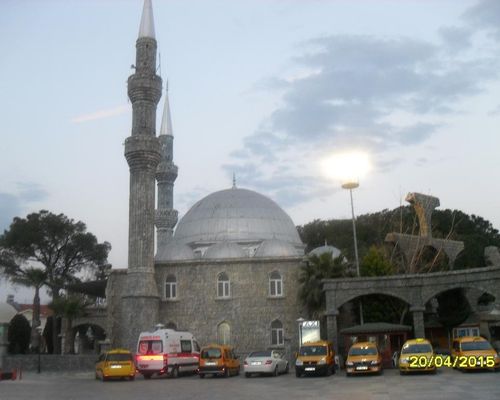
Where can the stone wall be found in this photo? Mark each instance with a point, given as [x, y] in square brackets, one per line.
[50, 362]
[250, 309]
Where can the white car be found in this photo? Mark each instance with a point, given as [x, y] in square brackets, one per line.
[265, 362]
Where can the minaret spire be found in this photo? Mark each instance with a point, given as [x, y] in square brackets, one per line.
[166, 173]
[147, 27]
[140, 300]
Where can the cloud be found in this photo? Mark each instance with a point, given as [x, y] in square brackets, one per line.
[111, 112]
[485, 15]
[15, 204]
[378, 94]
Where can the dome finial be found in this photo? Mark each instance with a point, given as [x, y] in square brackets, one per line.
[234, 180]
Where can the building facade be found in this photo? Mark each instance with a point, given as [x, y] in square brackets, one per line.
[229, 272]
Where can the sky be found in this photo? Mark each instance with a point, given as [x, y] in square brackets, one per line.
[264, 89]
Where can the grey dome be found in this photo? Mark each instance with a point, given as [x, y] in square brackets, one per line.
[276, 248]
[175, 251]
[236, 215]
[224, 250]
[326, 249]
[7, 312]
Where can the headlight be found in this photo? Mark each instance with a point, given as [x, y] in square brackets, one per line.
[404, 360]
[299, 363]
[349, 364]
[322, 361]
[497, 356]
[374, 363]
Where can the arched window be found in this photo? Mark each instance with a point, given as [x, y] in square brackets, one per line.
[171, 287]
[223, 285]
[224, 333]
[275, 284]
[277, 333]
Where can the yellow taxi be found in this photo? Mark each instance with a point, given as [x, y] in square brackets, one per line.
[218, 359]
[315, 358]
[116, 363]
[363, 358]
[417, 355]
[474, 352]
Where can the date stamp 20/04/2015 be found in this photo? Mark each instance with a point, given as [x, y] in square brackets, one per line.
[438, 361]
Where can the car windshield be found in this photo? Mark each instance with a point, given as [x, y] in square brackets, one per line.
[119, 357]
[479, 345]
[211, 353]
[363, 351]
[313, 351]
[260, 354]
[416, 348]
[150, 347]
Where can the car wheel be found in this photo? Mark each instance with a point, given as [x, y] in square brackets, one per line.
[201, 376]
[226, 372]
[287, 369]
[131, 378]
[275, 372]
[175, 372]
[297, 373]
[248, 374]
[147, 376]
[334, 369]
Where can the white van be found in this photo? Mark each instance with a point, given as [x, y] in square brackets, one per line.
[167, 351]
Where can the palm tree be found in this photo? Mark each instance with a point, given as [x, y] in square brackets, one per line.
[69, 308]
[35, 278]
[312, 273]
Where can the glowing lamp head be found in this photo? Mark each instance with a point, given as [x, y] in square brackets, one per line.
[348, 168]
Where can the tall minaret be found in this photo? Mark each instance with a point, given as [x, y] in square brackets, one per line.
[166, 216]
[140, 301]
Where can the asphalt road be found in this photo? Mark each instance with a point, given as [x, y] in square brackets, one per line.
[446, 384]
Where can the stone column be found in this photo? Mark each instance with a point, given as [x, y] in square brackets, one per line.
[332, 329]
[418, 321]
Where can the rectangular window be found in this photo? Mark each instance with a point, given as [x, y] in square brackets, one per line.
[277, 337]
[278, 288]
[273, 288]
[171, 290]
[185, 346]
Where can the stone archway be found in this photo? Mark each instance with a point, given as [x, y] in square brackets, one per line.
[415, 289]
[86, 338]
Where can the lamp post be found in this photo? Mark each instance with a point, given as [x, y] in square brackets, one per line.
[350, 186]
[300, 321]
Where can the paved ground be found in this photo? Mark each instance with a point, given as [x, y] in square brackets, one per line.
[447, 384]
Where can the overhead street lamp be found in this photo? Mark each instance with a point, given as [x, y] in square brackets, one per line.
[348, 168]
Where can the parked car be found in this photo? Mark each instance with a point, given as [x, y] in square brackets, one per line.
[417, 355]
[265, 362]
[363, 358]
[315, 358]
[167, 351]
[218, 359]
[116, 363]
[474, 352]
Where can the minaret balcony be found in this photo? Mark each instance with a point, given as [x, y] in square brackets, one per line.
[166, 218]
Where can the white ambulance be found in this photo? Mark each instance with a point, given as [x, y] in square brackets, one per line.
[166, 351]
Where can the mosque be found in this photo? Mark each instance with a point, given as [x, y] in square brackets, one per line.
[229, 271]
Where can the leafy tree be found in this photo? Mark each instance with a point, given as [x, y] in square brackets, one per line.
[61, 246]
[474, 231]
[19, 335]
[375, 263]
[312, 273]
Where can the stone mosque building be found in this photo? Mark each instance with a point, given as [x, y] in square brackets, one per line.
[228, 273]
